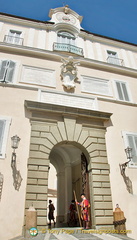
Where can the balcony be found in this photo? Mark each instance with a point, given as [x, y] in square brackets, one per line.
[13, 40]
[63, 47]
[115, 61]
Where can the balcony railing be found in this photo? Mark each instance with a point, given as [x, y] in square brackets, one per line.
[67, 48]
[115, 61]
[13, 40]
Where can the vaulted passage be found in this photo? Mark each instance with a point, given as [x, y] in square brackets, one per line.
[67, 159]
[62, 136]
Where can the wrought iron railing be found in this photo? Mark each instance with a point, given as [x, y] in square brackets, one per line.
[67, 48]
[115, 61]
[13, 40]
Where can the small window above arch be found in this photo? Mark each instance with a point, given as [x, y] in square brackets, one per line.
[65, 37]
[66, 42]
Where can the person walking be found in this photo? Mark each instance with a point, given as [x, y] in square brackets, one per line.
[51, 212]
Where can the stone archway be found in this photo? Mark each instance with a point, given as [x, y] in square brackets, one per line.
[52, 125]
[66, 158]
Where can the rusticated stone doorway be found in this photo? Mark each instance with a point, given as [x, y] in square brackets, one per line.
[56, 133]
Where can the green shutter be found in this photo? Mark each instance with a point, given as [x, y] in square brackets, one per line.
[7, 71]
[3, 69]
[10, 71]
[126, 97]
[120, 94]
[2, 128]
[122, 91]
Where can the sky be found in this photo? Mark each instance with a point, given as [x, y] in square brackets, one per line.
[111, 18]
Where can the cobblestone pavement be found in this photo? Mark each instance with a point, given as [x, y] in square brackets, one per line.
[72, 234]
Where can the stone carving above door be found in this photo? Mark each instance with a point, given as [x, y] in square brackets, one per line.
[69, 72]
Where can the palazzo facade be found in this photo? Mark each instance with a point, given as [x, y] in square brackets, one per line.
[70, 96]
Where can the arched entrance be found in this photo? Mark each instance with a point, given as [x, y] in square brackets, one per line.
[69, 161]
[58, 134]
[52, 188]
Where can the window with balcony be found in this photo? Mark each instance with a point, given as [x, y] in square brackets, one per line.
[66, 37]
[14, 37]
[113, 58]
[122, 91]
[7, 68]
[4, 128]
[130, 140]
[66, 43]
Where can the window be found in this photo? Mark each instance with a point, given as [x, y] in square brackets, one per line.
[4, 128]
[122, 92]
[113, 58]
[66, 37]
[6, 70]
[66, 43]
[131, 141]
[14, 37]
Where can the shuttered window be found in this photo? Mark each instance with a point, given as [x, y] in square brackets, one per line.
[122, 91]
[132, 141]
[2, 129]
[7, 68]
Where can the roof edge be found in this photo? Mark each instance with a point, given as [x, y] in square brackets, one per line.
[82, 30]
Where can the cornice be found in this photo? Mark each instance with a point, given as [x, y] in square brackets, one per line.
[29, 51]
[107, 41]
[131, 104]
[104, 66]
[56, 56]
[66, 111]
[115, 43]
[83, 33]
[37, 88]
[26, 22]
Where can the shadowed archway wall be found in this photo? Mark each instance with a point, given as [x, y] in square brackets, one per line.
[51, 125]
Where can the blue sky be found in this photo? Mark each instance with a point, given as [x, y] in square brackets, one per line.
[112, 18]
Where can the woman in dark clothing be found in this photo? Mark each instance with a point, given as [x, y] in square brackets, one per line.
[51, 212]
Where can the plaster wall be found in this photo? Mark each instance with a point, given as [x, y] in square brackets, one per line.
[82, 71]
[123, 119]
[96, 49]
[12, 201]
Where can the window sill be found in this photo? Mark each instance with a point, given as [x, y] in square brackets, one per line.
[105, 99]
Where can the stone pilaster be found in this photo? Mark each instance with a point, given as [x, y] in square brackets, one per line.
[38, 168]
[100, 191]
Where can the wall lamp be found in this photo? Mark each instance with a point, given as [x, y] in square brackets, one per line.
[128, 151]
[14, 144]
[123, 166]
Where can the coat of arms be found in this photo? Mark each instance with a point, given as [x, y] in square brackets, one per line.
[69, 72]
